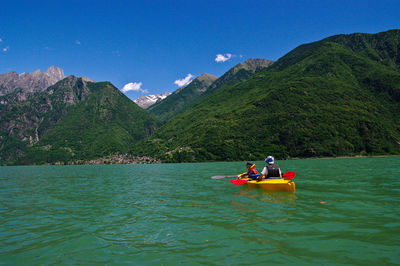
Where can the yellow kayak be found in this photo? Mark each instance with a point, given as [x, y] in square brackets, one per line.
[274, 184]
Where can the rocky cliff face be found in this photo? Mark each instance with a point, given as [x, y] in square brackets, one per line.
[29, 82]
[95, 120]
[74, 119]
[23, 122]
[148, 100]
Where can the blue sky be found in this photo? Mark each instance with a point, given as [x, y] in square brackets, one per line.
[154, 45]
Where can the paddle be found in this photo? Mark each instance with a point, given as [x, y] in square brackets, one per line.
[223, 176]
[289, 175]
[238, 181]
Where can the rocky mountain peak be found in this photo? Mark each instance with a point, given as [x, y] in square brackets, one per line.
[30, 82]
[206, 78]
[86, 79]
[36, 73]
[254, 64]
[55, 73]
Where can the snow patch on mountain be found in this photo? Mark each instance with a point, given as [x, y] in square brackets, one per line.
[148, 100]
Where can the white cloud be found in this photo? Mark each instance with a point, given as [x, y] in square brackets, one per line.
[5, 49]
[133, 86]
[78, 42]
[222, 57]
[185, 81]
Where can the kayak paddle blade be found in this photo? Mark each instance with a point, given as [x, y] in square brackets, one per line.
[238, 181]
[289, 175]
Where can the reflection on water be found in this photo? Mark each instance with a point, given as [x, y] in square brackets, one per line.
[260, 194]
[263, 207]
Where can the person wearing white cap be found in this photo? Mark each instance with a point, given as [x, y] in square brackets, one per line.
[270, 171]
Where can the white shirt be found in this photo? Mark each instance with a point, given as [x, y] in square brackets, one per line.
[265, 172]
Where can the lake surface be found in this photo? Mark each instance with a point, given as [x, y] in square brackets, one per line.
[344, 211]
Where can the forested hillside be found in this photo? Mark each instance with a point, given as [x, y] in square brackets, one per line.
[72, 120]
[338, 96]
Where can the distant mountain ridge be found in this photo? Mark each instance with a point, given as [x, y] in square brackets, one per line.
[148, 100]
[30, 82]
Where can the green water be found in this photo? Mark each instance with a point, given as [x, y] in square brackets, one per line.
[345, 211]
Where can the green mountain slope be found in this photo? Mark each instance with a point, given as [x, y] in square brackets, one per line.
[107, 122]
[206, 84]
[238, 73]
[182, 98]
[26, 118]
[75, 120]
[337, 96]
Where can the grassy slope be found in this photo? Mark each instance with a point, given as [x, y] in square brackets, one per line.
[238, 73]
[338, 96]
[187, 97]
[107, 122]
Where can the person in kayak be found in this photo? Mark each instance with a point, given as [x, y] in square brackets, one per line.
[251, 171]
[271, 170]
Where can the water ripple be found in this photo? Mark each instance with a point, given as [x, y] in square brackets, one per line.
[176, 214]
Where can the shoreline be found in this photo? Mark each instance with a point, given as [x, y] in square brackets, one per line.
[344, 157]
[130, 159]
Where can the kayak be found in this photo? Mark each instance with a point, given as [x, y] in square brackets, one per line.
[274, 184]
[283, 183]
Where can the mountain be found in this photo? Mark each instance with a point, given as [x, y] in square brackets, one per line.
[182, 98]
[239, 73]
[72, 120]
[148, 100]
[335, 97]
[23, 122]
[30, 82]
[185, 97]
